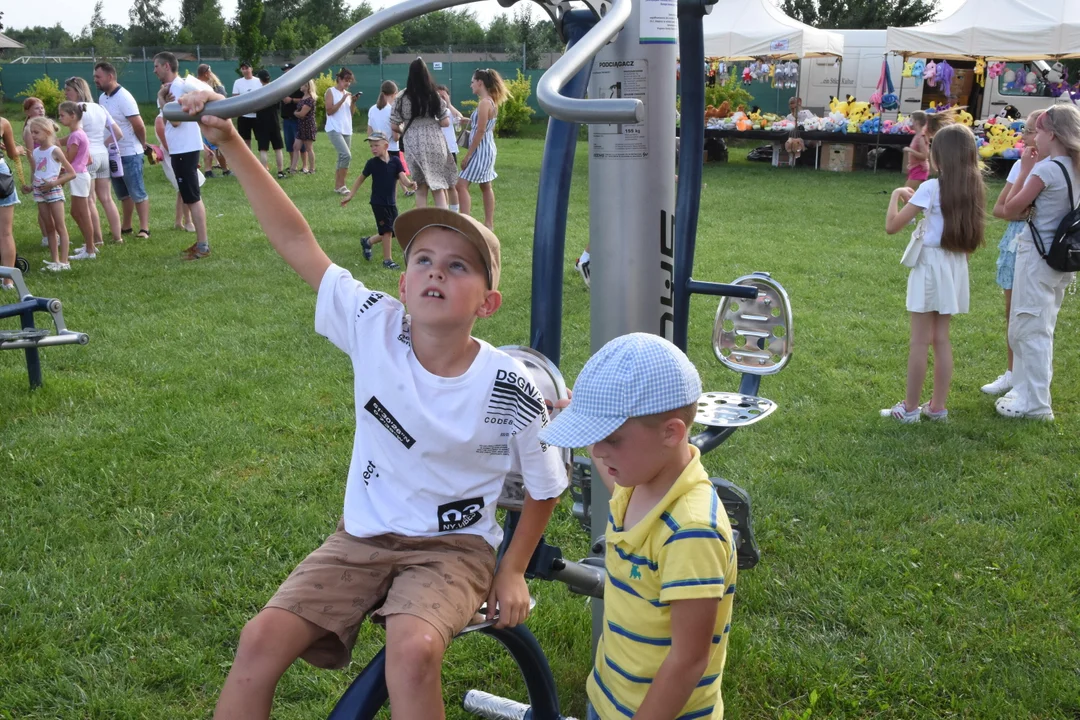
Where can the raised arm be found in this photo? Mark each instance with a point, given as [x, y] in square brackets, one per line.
[283, 224]
[897, 218]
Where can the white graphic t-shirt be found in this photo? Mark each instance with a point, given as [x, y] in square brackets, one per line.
[430, 453]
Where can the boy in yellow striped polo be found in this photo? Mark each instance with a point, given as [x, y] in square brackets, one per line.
[670, 560]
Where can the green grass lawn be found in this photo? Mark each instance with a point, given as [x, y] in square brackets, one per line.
[171, 473]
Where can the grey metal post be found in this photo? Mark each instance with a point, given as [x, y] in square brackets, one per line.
[632, 197]
[524, 55]
[146, 74]
[382, 75]
[93, 55]
[450, 82]
[198, 53]
[44, 62]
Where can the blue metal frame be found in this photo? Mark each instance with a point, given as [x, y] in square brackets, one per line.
[25, 309]
[552, 205]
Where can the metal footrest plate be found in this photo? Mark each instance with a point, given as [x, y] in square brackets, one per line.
[727, 409]
[29, 334]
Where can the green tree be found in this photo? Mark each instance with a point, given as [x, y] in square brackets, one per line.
[276, 12]
[500, 33]
[40, 37]
[148, 24]
[287, 38]
[387, 39]
[441, 28]
[531, 34]
[250, 42]
[189, 10]
[184, 37]
[208, 27]
[315, 36]
[861, 14]
[100, 36]
[333, 14]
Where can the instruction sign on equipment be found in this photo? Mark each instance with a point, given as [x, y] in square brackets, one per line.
[621, 79]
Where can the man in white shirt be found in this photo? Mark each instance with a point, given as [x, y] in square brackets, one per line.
[132, 145]
[185, 147]
[246, 123]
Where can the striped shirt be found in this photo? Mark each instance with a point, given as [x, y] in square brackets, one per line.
[681, 550]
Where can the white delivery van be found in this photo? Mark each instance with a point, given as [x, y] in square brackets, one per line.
[860, 70]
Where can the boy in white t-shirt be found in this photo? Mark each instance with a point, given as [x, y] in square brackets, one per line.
[442, 417]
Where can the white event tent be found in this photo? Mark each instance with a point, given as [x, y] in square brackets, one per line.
[997, 30]
[749, 29]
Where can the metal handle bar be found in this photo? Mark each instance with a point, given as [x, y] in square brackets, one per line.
[313, 64]
[582, 578]
[557, 105]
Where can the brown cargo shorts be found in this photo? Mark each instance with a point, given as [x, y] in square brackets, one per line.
[443, 580]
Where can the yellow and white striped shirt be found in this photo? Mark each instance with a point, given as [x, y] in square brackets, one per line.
[681, 550]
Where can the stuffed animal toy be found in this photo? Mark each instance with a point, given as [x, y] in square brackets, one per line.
[724, 110]
[995, 70]
[980, 72]
[908, 69]
[747, 78]
[945, 75]
[794, 146]
[930, 74]
[964, 117]
[918, 69]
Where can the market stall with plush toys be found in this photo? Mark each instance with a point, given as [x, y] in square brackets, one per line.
[976, 39]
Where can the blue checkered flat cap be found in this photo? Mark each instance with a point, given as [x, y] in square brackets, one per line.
[633, 375]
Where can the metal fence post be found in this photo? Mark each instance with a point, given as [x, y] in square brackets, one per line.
[44, 62]
[524, 54]
[382, 76]
[146, 76]
[450, 84]
[198, 53]
[93, 54]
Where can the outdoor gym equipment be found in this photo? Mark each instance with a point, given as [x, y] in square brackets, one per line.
[642, 253]
[29, 338]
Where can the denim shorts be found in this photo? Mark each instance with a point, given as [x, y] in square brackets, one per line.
[131, 185]
[290, 126]
[13, 198]
[590, 714]
[1006, 262]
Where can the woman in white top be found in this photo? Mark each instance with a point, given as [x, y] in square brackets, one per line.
[101, 129]
[378, 119]
[1038, 289]
[339, 109]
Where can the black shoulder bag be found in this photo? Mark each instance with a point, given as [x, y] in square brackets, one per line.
[1063, 254]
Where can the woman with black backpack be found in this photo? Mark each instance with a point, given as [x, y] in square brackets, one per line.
[1048, 188]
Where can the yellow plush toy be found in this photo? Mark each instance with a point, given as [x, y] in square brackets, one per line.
[980, 72]
[909, 68]
[964, 117]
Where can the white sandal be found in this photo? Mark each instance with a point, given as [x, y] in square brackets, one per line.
[1006, 408]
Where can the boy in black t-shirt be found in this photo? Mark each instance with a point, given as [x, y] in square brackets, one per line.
[385, 171]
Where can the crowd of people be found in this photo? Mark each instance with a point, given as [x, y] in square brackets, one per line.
[106, 146]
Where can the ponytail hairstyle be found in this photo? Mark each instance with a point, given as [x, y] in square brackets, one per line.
[81, 88]
[938, 120]
[387, 89]
[346, 74]
[955, 157]
[918, 119]
[1064, 122]
[71, 108]
[211, 79]
[493, 83]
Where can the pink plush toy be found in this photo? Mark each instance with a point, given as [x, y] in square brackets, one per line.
[930, 73]
[996, 70]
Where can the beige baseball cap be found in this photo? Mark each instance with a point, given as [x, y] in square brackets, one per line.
[410, 224]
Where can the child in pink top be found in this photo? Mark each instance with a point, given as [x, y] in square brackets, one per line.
[78, 154]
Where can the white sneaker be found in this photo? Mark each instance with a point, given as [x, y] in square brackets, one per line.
[1000, 386]
[583, 270]
[56, 267]
[83, 255]
[900, 412]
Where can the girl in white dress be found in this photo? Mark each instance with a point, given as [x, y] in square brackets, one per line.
[953, 206]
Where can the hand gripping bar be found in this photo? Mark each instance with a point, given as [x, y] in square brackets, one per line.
[313, 64]
[557, 105]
